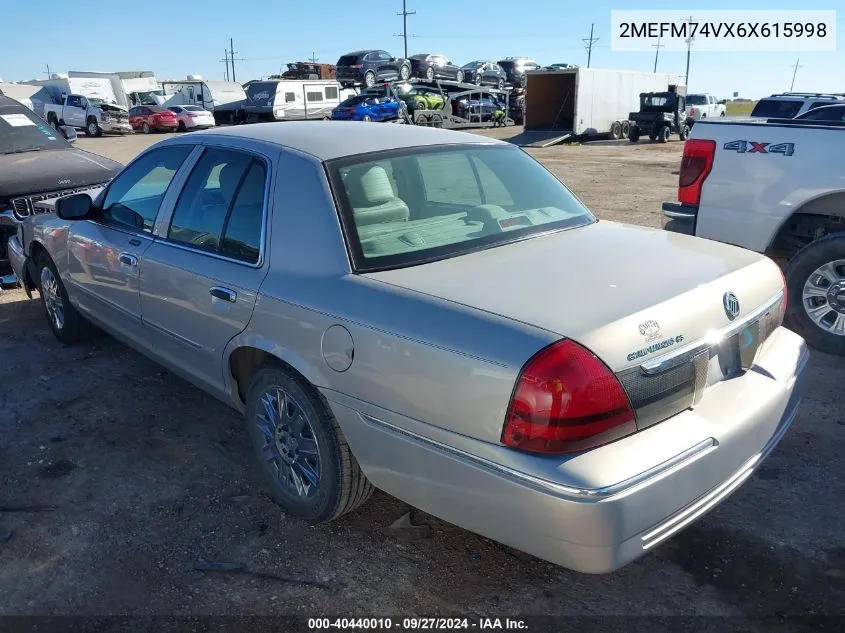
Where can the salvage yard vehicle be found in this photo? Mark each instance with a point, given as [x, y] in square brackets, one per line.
[307, 70]
[366, 68]
[93, 115]
[364, 296]
[431, 66]
[485, 73]
[661, 114]
[191, 117]
[36, 166]
[153, 119]
[775, 188]
[369, 107]
[788, 105]
[703, 106]
[421, 97]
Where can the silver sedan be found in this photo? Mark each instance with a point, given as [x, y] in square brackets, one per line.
[434, 314]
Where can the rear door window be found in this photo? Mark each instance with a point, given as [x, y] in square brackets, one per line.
[777, 108]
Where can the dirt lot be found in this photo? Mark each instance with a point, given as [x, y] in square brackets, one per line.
[149, 476]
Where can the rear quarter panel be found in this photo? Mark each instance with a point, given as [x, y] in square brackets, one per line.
[749, 195]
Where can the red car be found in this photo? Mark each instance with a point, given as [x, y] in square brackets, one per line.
[149, 118]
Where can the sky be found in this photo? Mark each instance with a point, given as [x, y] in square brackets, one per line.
[190, 38]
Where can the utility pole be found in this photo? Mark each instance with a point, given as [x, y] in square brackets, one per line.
[49, 75]
[225, 60]
[689, 46]
[589, 44]
[405, 13]
[232, 57]
[313, 57]
[795, 72]
[657, 47]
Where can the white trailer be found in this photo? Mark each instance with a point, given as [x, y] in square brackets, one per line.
[99, 88]
[32, 96]
[131, 88]
[225, 99]
[584, 102]
[293, 99]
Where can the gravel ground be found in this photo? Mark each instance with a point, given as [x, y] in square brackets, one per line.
[148, 475]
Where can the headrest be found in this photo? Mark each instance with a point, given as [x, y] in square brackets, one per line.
[375, 185]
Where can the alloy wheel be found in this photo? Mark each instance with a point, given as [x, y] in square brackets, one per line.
[290, 445]
[52, 298]
[823, 297]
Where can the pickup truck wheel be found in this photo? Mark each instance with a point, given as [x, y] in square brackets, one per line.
[684, 134]
[92, 128]
[67, 324]
[815, 281]
[301, 448]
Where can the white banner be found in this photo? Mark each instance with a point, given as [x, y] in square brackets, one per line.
[723, 30]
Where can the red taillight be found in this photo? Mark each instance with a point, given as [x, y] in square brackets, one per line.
[566, 400]
[692, 111]
[696, 164]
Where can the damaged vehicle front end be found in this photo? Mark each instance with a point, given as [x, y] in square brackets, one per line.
[113, 119]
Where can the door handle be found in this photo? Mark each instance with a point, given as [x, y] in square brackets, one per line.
[223, 293]
[128, 260]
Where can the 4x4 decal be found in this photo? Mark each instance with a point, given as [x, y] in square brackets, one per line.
[753, 147]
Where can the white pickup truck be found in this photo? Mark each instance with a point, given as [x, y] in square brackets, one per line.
[703, 106]
[95, 116]
[775, 187]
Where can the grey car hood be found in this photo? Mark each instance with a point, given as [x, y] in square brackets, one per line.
[600, 283]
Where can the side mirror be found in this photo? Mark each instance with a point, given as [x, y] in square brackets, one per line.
[76, 207]
[69, 132]
[393, 59]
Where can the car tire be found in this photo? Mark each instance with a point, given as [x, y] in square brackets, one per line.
[145, 128]
[181, 127]
[459, 77]
[369, 79]
[722, 114]
[801, 272]
[436, 120]
[367, 118]
[92, 128]
[404, 72]
[55, 123]
[616, 130]
[280, 447]
[67, 324]
[634, 134]
[429, 74]
[626, 128]
[663, 134]
[500, 84]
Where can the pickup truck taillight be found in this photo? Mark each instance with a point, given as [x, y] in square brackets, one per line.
[696, 164]
[566, 400]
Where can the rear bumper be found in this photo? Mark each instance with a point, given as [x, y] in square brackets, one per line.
[599, 510]
[679, 218]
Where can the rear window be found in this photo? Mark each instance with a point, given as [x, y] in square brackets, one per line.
[192, 108]
[348, 60]
[696, 100]
[506, 66]
[777, 108]
[413, 205]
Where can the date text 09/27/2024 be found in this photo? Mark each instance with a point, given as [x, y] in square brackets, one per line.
[417, 624]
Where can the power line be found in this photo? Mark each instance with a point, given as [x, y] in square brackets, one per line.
[405, 13]
[657, 47]
[795, 72]
[589, 44]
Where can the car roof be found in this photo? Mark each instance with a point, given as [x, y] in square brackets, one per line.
[327, 140]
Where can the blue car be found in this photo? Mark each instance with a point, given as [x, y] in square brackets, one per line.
[369, 107]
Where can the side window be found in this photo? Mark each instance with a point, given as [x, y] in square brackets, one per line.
[74, 101]
[448, 178]
[134, 197]
[314, 96]
[384, 56]
[290, 97]
[221, 208]
[331, 92]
